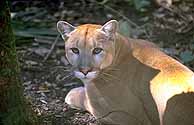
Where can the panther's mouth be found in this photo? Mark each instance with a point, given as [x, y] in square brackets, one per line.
[86, 77]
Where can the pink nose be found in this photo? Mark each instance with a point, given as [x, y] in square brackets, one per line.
[85, 70]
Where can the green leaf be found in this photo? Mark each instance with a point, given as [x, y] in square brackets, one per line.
[141, 4]
[124, 28]
[32, 32]
[128, 30]
[187, 56]
[192, 46]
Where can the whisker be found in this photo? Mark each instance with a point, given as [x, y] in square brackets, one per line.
[67, 76]
[107, 74]
[61, 67]
[113, 69]
[111, 76]
[56, 69]
[105, 79]
[67, 70]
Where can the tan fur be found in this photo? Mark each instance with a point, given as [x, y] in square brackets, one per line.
[134, 82]
[174, 78]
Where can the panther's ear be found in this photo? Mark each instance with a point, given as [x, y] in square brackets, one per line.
[64, 28]
[110, 28]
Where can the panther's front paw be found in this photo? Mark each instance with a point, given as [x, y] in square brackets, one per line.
[75, 98]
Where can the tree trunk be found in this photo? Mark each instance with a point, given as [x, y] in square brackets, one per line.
[13, 109]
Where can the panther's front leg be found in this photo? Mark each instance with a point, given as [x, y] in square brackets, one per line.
[76, 98]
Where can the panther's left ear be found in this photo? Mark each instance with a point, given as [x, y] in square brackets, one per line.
[110, 28]
[65, 28]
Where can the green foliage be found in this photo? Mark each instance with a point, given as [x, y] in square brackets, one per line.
[192, 46]
[26, 31]
[124, 28]
[32, 32]
[187, 56]
[141, 4]
[128, 29]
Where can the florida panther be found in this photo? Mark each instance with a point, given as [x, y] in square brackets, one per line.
[130, 81]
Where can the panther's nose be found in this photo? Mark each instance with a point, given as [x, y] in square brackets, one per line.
[85, 70]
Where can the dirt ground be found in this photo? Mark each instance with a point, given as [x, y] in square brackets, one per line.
[46, 81]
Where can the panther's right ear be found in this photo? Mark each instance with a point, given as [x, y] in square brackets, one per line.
[64, 28]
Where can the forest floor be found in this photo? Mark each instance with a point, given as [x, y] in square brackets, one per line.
[46, 77]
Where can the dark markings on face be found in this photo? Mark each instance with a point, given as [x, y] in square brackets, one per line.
[85, 36]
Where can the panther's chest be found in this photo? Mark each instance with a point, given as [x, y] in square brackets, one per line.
[116, 103]
[112, 98]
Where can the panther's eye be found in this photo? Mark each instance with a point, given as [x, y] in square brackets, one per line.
[97, 51]
[75, 50]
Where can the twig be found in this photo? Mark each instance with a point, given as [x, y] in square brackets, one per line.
[177, 12]
[57, 38]
[104, 1]
[33, 69]
[52, 48]
[45, 38]
[121, 15]
[49, 42]
[39, 14]
[83, 4]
